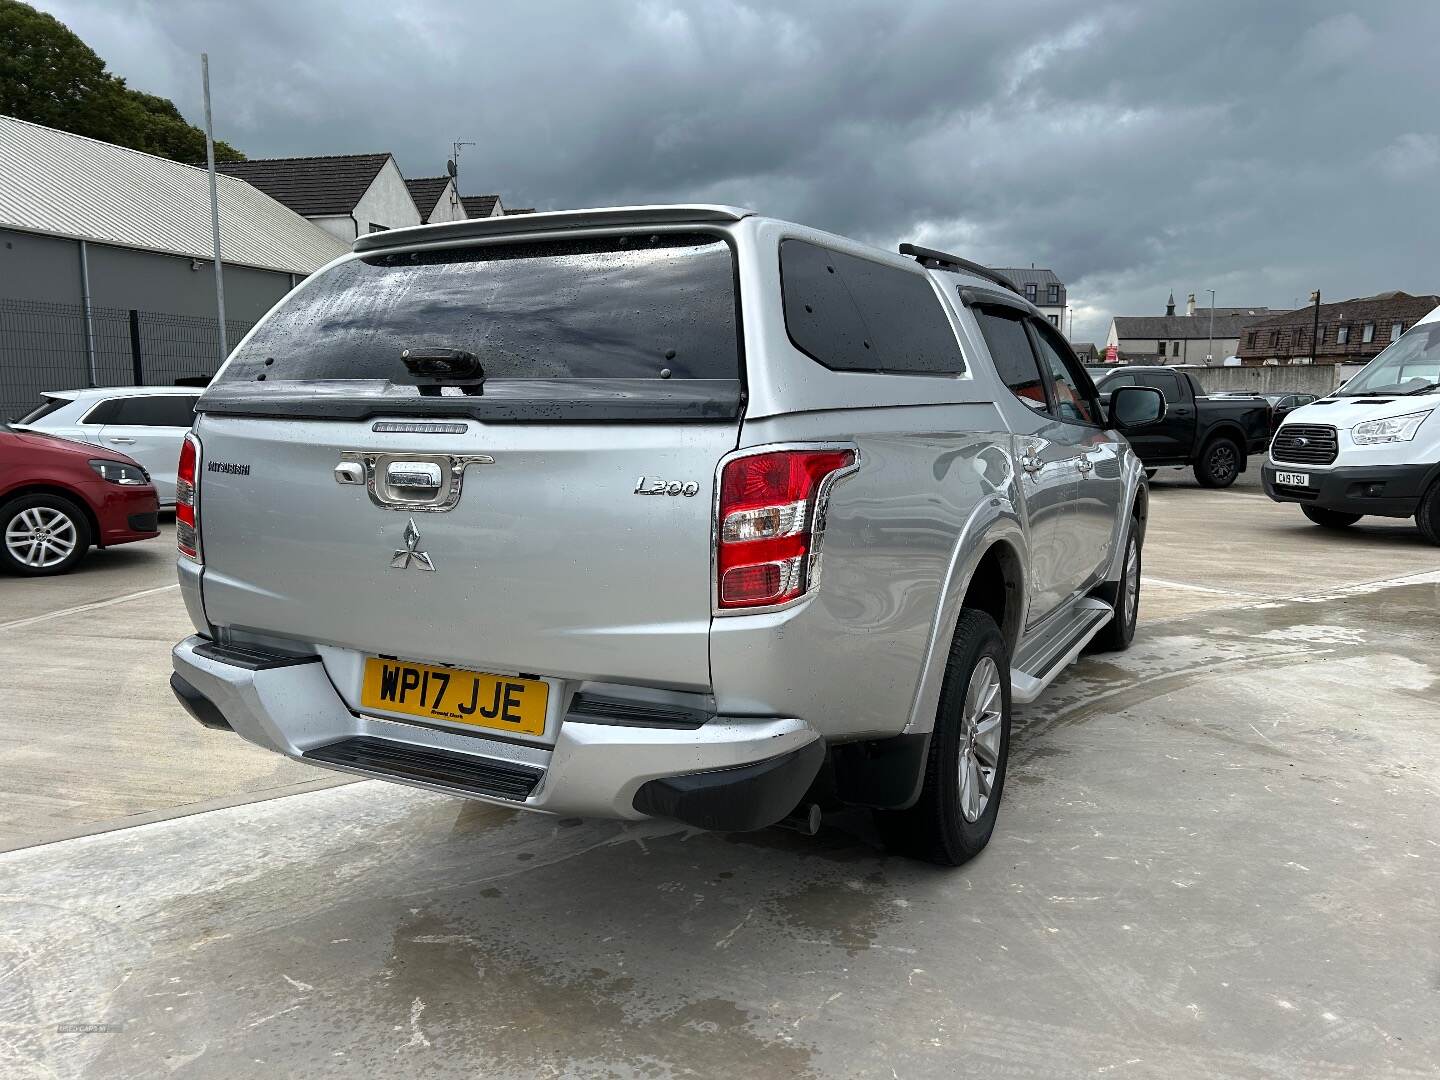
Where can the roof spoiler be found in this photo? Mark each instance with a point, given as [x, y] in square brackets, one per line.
[550, 220]
[941, 260]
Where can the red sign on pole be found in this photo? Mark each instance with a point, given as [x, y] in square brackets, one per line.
[1112, 354]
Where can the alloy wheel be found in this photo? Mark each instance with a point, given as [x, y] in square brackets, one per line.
[1222, 462]
[980, 738]
[1131, 599]
[40, 537]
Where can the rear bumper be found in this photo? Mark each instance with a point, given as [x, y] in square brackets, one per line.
[1381, 490]
[729, 773]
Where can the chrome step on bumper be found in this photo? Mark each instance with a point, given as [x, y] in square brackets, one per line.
[604, 754]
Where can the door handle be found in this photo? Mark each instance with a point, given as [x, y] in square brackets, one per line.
[120, 439]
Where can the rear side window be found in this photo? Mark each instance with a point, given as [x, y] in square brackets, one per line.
[170, 410]
[1168, 385]
[49, 406]
[645, 306]
[852, 314]
[1009, 345]
[1117, 380]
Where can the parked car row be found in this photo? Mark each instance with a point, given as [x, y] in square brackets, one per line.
[88, 468]
[147, 423]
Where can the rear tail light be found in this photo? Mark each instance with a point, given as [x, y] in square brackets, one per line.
[769, 521]
[187, 483]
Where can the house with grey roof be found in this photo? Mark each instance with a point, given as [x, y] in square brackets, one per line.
[436, 199]
[1043, 288]
[348, 195]
[482, 206]
[1192, 338]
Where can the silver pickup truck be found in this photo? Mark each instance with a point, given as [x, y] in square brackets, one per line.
[671, 511]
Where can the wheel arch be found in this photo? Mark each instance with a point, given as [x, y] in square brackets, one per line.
[992, 542]
[1226, 429]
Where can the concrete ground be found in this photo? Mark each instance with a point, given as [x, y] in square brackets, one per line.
[1218, 856]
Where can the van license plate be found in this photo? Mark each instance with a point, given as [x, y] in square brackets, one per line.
[1293, 479]
[497, 702]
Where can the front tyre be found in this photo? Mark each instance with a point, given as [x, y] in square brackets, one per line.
[1330, 519]
[1219, 463]
[1123, 596]
[1427, 514]
[965, 768]
[42, 534]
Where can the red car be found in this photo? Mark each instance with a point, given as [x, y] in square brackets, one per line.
[58, 497]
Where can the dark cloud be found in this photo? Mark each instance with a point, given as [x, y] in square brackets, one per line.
[1134, 147]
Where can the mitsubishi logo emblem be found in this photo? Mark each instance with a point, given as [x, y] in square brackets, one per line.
[411, 551]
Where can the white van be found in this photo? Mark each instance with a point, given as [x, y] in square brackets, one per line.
[1372, 447]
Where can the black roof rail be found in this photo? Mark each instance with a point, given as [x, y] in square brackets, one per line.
[941, 260]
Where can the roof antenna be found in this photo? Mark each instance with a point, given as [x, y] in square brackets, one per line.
[453, 165]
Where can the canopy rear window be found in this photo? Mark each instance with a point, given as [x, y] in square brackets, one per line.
[641, 314]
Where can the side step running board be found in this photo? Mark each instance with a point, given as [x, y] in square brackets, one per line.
[1037, 664]
[463, 774]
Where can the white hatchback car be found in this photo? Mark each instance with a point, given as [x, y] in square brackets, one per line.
[147, 423]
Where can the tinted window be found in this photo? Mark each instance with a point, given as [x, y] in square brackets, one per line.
[853, 314]
[1167, 384]
[1071, 384]
[104, 413]
[1117, 380]
[1009, 344]
[159, 411]
[614, 307]
[49, 406]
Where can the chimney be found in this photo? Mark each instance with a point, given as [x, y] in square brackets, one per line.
[1190, 305]
[1170, 305]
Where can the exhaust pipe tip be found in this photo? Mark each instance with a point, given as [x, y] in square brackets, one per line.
[804, 819]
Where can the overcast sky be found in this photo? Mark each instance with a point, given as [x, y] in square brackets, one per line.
[1135, 147]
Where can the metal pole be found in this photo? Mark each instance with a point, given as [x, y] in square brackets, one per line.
[137, 366]
[1315, 330]
[1210, 352]
[89, 315]
[214, 206]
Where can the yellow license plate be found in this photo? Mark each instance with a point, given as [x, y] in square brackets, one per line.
[498, 702]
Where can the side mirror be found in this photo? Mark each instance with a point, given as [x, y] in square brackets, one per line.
[1136, 407]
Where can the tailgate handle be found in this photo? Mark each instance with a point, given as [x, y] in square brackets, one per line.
[413, 475]
[410, 480]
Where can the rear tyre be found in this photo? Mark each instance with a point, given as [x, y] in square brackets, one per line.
[965, 768]
[1123, 596]
[1330, 519]
[1427, 514]
[1219, 463]
[42, 534]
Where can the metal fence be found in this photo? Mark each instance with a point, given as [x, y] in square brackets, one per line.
[46, 346]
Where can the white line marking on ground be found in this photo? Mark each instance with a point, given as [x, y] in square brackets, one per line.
[1198, 588]
[82, 608]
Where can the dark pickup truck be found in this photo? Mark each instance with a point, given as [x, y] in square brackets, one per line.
[1214, 434]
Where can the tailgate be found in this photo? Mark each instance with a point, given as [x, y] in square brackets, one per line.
[548, 563]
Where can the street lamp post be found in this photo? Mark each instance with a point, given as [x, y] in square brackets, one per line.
[1210, 350]
[1315, 328]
